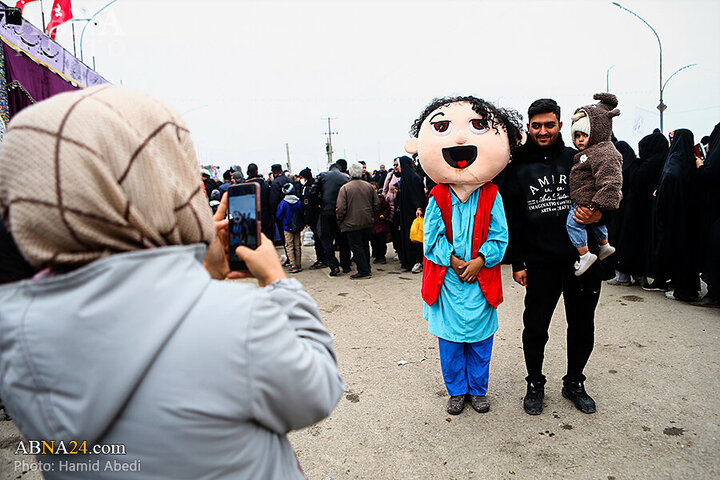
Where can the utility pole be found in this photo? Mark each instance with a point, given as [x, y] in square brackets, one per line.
[287, 152]
[328, 145]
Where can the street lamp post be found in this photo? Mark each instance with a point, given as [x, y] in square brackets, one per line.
[72, 21]
[607, 78]
[82, 34]
[675, 73]
[661, 106]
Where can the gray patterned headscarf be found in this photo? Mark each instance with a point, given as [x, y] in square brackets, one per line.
[91, 173]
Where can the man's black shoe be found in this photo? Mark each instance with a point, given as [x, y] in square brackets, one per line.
[334, 272]
[533, 401]
[575, 392]
[346, 269]
[318, 265]
[357, 276]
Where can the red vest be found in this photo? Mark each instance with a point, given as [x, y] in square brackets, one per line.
[489, 278]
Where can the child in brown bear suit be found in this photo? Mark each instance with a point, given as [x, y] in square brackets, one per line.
[596, 176]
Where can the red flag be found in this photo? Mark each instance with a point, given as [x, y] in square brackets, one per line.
[21, 4]
[61, 13]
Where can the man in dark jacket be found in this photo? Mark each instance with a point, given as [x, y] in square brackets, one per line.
[266, 214]
[326, 187]
[357, 203]
[311, 214]
[537, 203]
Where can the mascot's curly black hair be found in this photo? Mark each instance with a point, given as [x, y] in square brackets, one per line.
[507, 119]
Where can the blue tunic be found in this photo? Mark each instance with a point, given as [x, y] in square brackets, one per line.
[461, 313]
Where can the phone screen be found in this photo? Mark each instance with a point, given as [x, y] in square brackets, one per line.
[242, 221]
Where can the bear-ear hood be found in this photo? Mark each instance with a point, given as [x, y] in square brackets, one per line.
[600, 116]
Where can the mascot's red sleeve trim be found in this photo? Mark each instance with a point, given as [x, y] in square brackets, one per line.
[489, 278]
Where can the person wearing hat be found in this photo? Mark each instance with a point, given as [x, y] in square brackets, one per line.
[237, 178]
[596, 176]
[290, 214]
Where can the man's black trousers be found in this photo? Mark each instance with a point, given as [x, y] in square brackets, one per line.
[359, 241]
[580, 296]
[329, 233]
[319, 250]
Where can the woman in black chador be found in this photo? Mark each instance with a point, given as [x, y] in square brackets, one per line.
[708, 174]
[412, 197]
[640, 181]
[675, 247]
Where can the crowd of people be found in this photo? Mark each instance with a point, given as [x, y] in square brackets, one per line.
[347, 210]
[661, 231]
[668, 226]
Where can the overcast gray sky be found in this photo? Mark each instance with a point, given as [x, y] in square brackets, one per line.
[250, 77]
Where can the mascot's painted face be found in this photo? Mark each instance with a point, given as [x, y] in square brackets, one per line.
[457, 146]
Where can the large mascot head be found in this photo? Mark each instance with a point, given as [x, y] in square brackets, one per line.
[464, 141]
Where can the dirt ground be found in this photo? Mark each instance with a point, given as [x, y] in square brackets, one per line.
[654, 375]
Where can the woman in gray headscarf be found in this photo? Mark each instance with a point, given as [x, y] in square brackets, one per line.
[112, 342]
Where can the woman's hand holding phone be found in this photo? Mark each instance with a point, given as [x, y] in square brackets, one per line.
[216, 262]
[263, 263]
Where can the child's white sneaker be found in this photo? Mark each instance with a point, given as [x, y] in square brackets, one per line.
[605, 251]
[584, 263]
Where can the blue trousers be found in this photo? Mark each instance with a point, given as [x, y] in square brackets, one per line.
[577, 232]
[466, 366]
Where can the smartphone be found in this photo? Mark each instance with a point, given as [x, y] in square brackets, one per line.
[243, 221]
[700, 151]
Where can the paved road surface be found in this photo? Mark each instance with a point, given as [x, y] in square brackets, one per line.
[654, 375]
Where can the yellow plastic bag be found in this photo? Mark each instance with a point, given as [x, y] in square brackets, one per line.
[416, 230]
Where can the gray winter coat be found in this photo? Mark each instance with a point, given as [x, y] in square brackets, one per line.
[196, 378]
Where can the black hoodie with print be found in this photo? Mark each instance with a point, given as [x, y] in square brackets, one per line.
[536, 194]
[537, 201]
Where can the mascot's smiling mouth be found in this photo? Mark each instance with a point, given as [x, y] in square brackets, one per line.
[460, 157]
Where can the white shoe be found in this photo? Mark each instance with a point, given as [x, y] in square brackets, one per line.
[417, 268]
[584, 263]
[605, 251]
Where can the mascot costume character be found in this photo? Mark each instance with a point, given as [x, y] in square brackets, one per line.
[462, 144]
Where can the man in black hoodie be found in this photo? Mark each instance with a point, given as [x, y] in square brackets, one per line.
[537, 201]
